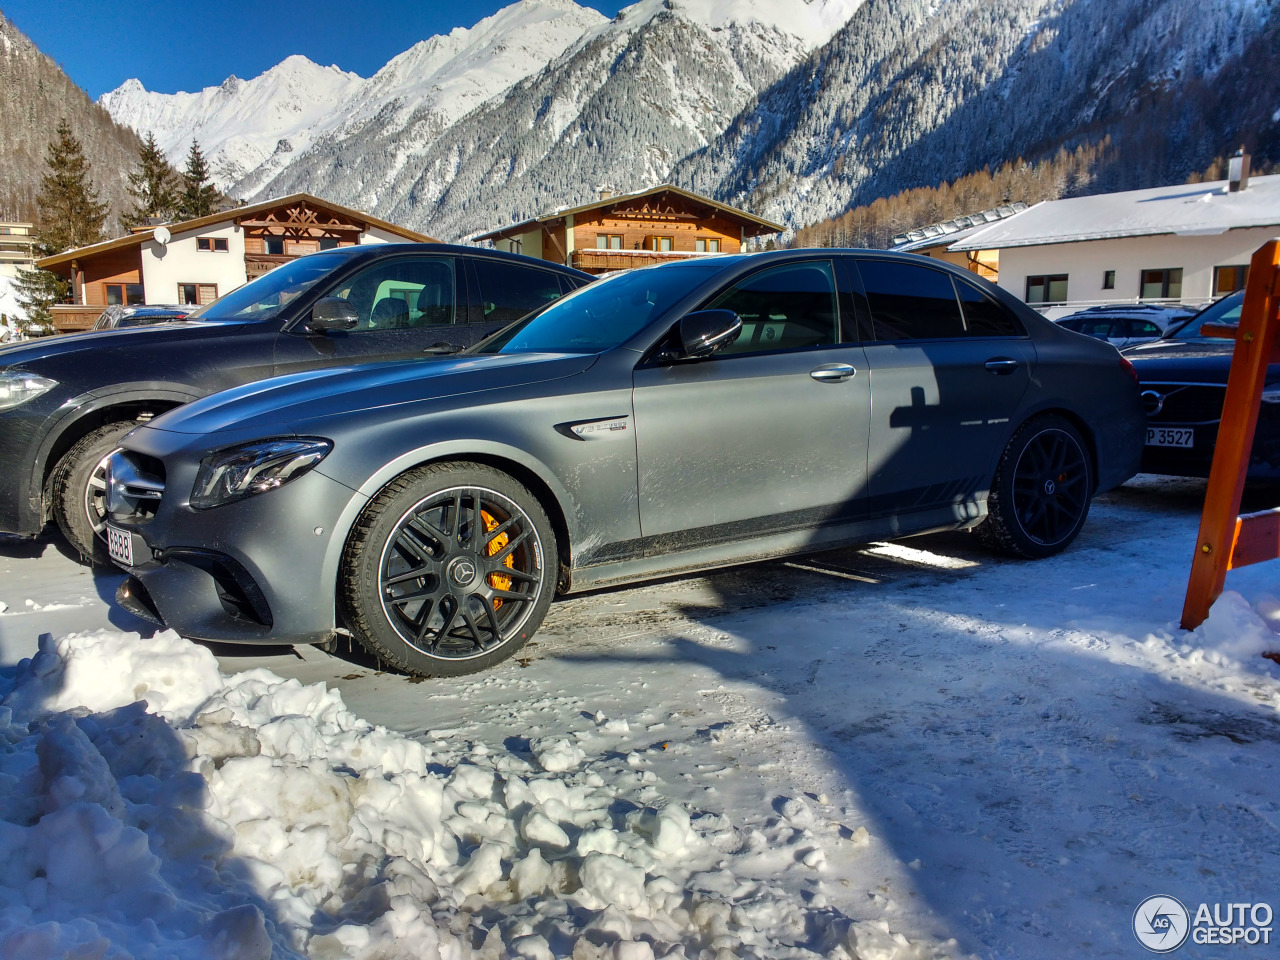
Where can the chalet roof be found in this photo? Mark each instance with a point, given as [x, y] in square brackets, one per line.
[227, 216]
[949, 231]
[759, 224]
[1185, 210]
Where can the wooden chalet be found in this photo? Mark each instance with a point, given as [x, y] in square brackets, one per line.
[196, 261]
[633, 230]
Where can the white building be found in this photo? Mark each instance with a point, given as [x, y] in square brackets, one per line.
[1188, 243]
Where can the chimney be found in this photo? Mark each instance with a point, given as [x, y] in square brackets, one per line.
[605, 193]
[1238, 172]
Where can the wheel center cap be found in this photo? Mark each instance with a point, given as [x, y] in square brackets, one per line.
[1049, 487]
[462, 572]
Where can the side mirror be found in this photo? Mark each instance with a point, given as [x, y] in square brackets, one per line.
[704, 332]
[332, 313]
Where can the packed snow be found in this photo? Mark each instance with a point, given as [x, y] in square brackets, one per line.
[10, 311]
[907, 750]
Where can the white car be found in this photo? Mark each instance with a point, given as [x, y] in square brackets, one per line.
[1125, 324]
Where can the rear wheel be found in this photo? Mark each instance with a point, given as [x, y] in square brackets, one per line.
[1040, 495]
[449, 570]
[80, 491]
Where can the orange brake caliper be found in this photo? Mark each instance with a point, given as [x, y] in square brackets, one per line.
[497, 580]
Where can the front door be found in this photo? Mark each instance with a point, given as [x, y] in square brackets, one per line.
[767, 436]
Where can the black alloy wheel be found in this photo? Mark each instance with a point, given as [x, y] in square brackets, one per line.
[1040, 494]
[450, 570]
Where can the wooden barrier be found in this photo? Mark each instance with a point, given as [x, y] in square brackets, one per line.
[1226, 539]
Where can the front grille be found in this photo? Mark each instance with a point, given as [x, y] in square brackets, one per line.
[1183, 403]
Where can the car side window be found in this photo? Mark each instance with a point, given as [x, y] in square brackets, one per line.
[791, 307]
[983, 316]
[1101, 329]
[1143, 328]
[910, 302]
[402, 293]
[509, 291]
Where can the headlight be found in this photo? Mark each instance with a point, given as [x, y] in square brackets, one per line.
[1271, 393]
[17, 387]
[252, 468]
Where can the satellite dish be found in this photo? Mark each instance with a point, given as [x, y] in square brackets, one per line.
[161, 235]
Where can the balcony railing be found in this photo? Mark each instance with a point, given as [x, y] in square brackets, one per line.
[256, 264]
[70, 317]
[596, 260]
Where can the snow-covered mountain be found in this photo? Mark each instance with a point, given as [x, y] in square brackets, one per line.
[251, 129]
[795, 109]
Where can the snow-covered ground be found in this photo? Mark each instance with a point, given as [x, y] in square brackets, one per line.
[908, 750]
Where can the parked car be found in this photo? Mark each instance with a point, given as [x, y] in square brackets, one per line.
[673, 418]
[119, 315]
[66, 401]
[1184, 382]
[1125, 324]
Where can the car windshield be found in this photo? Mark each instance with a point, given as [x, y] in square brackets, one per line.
[1226, 310]
[601, 315]
[260, 299]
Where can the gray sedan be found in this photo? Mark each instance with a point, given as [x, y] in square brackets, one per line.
[672, 419]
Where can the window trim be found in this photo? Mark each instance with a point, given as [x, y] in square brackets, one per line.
[123, 287]
[1244, 278]
[1164, 283]
[198, 286]
[212, 245]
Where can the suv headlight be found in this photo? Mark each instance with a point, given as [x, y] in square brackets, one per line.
[17, 387]
[252, 468]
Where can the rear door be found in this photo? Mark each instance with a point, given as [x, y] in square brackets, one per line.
[948, 367]
[767, 436]
[403, 306]
[505, 291]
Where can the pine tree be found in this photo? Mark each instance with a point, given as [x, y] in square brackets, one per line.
[70, 215]
[153, 186]
[199, 197]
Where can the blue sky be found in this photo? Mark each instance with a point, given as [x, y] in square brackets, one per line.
[175, 45]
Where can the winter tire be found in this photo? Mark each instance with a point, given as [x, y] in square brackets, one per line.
[1040, 494]
[449, 570]
[79, 491]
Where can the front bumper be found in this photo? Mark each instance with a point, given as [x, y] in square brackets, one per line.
[247, 572]
[1195, 461]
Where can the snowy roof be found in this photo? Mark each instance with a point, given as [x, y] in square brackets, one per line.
[1186, 210]
[948, 231]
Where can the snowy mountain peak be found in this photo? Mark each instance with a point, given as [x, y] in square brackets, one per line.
[813, 21]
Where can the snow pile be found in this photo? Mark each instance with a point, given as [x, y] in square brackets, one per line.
[10, 310]
[249, 817]
[1237, 634]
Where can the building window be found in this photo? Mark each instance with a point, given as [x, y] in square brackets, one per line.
[1050, 288]
[210, 244]
[1108, 280]
[607, 241]
[331, 243]
[1229, 279]
[197, 294]
[126, 294]
[662, 243]
[707, 245]
[275, 246]
[1162, 284]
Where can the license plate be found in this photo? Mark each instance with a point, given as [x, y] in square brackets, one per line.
[120, 546]
[1171, 437]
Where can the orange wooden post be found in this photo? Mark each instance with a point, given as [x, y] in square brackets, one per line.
[1226, 539]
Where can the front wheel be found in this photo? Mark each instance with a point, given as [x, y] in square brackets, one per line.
[449, 570]
[80, 491]
[1040, 494]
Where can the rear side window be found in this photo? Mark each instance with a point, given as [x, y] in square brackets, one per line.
[910, 302]
[983, 316]
[1143, 328]
[509, 291]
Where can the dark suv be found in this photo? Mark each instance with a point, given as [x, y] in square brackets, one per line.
[65, 402]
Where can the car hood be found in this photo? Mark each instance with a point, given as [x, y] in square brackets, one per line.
[275, 404]
[25, 352]
[1202, 361]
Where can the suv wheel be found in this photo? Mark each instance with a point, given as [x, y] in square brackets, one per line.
[79, 491]
[450, 570]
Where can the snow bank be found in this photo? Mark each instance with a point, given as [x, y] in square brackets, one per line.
[153, 807]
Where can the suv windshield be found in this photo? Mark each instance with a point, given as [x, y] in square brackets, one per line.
[1226, 310]
[261, 298]
[603, 314]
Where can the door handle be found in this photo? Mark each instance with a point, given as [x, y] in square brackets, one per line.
[832, 372]
[1002, 365]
